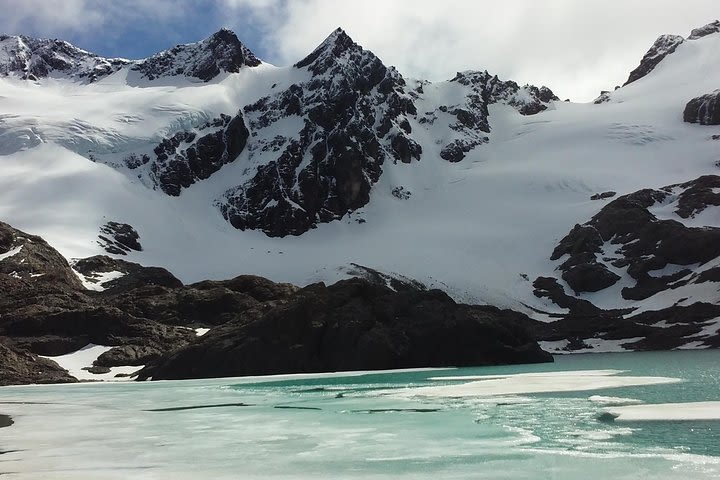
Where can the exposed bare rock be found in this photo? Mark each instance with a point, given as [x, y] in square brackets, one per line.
[704, 110]
[205, 60]
[709, 29]
[119, 238]
[663, 46]
[22, 367]
[355, 325]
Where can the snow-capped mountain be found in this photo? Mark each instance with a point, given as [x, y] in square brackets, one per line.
[33, 58]
[221, 164]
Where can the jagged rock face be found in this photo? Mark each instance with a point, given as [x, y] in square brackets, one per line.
[221, 52]
[45, 309]
[680, 325]
[704, 110]
[472, 124]
[129, 275]
[589, 277]
[354, 118]
[642, 243]
[119, 238]
[603, 195]
[604, 97]
[660, 255]
[710, 28]
[189, 156]
[22, 367]
[355, 325]
[31, 59]
[663, 46]
[28, 260]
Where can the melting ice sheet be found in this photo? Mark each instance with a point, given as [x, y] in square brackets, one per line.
[667, 411]
[364, 425]
[523, 383]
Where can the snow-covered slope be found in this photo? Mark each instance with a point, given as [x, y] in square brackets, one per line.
[34, 58]
[465, 185]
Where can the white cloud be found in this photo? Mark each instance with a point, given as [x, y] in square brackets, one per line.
[575, 47]
[51, 18]
[17, 16]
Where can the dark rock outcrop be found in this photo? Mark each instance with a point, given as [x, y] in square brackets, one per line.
[604, 97]
[191, 156]
[27, 261]
[589, 277]
[663, 329]
[642, 242]
[132, 275]
[19, 366]
[603, 195]
[45, 309]
[355, 325]
[456, 150]
[710, 28]
[663, 46]
[119, 238]
[471, 116]
[704, 109]
[548, 287]
[221, 52]
[658, 254]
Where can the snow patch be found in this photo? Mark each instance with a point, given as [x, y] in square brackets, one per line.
[95, 281]
[11, 253]
[75, 362]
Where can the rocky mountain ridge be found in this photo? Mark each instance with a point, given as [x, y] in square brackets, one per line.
[34, 58]
[666, 45]
[354, 113]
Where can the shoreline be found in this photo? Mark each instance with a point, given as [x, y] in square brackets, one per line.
[5, 420]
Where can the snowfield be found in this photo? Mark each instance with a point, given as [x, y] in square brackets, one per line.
[481, 229]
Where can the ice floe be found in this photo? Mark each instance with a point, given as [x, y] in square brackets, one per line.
[524, 383]
[692, 411]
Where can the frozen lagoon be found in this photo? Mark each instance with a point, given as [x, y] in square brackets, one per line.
[544, 421]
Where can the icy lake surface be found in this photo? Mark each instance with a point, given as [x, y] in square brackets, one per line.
[586, 416]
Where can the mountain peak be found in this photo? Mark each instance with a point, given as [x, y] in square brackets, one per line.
[710, 28]
[224, 35]
[338, 33]
[663, 46]
[33, 58]
[334, 46]
[220, 52]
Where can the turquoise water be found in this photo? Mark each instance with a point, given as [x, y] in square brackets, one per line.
[363, 426]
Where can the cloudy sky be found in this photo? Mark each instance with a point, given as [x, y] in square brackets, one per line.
[576, 47]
